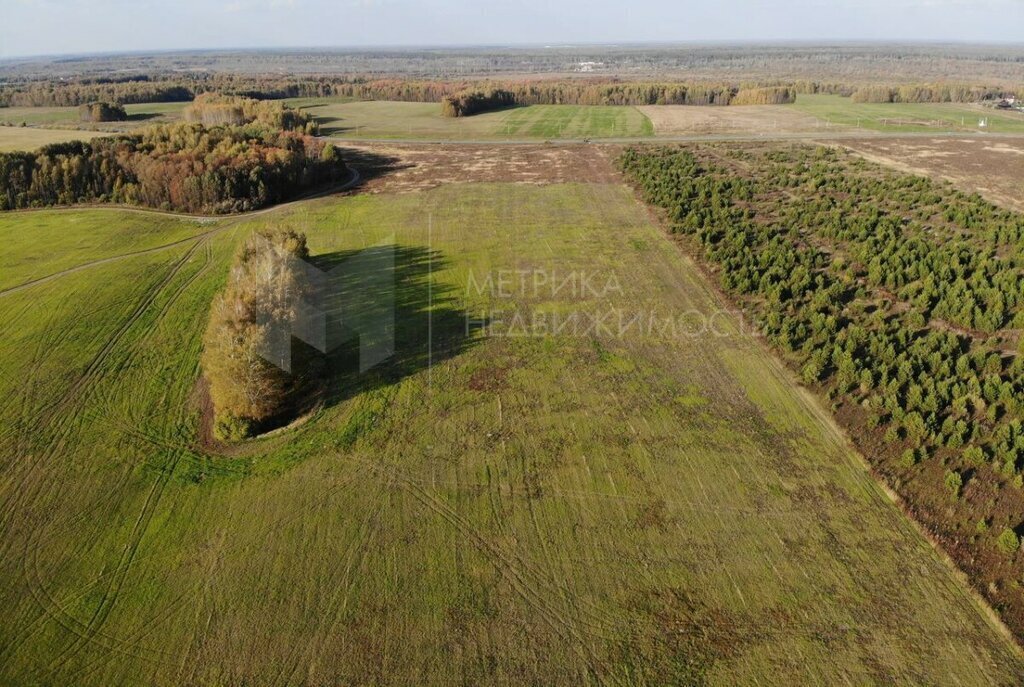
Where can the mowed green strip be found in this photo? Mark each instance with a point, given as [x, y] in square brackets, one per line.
[908, 117]
[584, 505]
[397, 120]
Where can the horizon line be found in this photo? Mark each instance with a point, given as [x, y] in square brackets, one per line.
[545, 45]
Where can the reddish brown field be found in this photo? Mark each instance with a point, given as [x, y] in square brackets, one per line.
[420, 167]
[993, 167]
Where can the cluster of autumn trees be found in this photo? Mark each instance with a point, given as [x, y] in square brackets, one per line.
[467, 103]
[896, 296]
[102, 112]
[184, 167]
[255, 377]
[772, 95]
[210, 109]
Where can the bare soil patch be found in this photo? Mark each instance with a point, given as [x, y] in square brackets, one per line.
[991, 167]
[419, 167]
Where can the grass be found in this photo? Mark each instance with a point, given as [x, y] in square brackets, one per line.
[139, 113]
[29, 138]
[907, 117]
[397, 120]
[40, 244]
[46, 125]
[581, 507]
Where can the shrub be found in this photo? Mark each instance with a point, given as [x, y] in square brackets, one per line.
[909, 458]
[228, 428]
[954, 483]
[974, 455]
[1008, 541]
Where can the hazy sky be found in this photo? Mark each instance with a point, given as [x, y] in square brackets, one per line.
[33, 27]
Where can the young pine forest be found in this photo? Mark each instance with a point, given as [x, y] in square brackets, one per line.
[900, 300]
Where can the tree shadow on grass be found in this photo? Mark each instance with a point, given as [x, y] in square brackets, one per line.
[370, 164]
[143, 116]
[388, 317]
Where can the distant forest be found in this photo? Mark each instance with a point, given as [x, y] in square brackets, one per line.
[265, 158]
[852, 64]
[536, 91]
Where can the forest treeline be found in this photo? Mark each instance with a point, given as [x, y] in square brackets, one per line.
[927, 93]
[900, 299]
[254, 374]
[184, 167]
[537, 91]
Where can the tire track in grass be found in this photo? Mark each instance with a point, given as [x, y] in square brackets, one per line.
[53, 412]
[600, 621]
[356, 557]
[135, 639]
[104, 261]
[52, 609]
[63, 428]
[113, 590]
[22, 429]
[56, 611]
[514, 571]
[96, 364]
[133, 410]
[62, 424]
[175, 453]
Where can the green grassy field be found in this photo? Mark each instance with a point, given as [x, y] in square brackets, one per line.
[907, 117]
[586, 507]
[383, 119]
[37, 246]
[63, 123]
[30, 138]
[138, 114]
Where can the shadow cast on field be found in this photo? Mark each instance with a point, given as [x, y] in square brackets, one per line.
[388, 318]
[371, 165]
